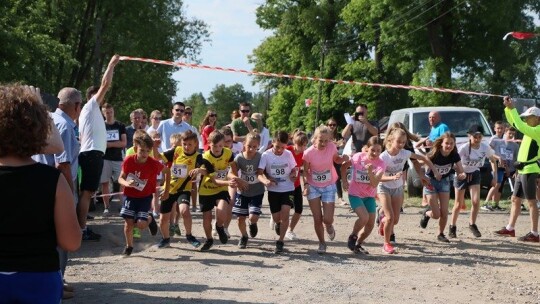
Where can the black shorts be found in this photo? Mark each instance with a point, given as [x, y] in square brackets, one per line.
[471, 180]
[525, 186]
[278, 199]
[91, 163]
[136, 208]
[243, 205]
[180, 197]
[208, 202]
[298, 200]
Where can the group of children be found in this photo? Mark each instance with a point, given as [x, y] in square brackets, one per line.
[235, 183]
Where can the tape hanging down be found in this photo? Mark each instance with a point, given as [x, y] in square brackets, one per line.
[280, 75]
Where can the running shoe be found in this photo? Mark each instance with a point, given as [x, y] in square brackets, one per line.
[279, 247]
[177, 230]
[171, 230]
[351, 243]
[331, 232]
[136, 233]
[127, 251]
[424, 219]
[106, 212]
[388, 248]
[505, 232]
[393, 239]
[152, 226]
[290, 235]
[207, 245]
[277, 228]
[193, 240]
[322, 248]
[222, 235]
[359, 249]
[486, 207]
[530, 237]
[243, 242]
[498, 208]
[452, 231]
[90, 236]
[253, 230]
[164, 243]
[474, 230]
[442, 238]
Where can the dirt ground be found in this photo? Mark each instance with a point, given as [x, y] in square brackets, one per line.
[489, 269]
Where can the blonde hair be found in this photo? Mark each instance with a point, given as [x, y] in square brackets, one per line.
[399, 125]
[322, 129]
[392, 135]
[176, 139]
[253, 135]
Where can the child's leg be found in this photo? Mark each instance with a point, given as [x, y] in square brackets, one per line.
[106, 191]
[328, 213]
[397, 201]
[298, 208]
[361, 221]
[474, 190]
[186, 216]
[316, 211]
[444, 200]
[222, 211]
[164, 222]
[176, 213]
[459, 200]
[143, 223]
[366, 231]
[242, 225]
[284, 220]
[388, 220]
[194, 194]
[128, 232]
[433, 200]
[228, 218]
[207, 224]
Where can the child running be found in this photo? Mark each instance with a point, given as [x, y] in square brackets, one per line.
[390, 189]
[444, 156]
[300, 141]
[185, 166]
[250, 193]
[473, 155]
[139, 176]
[320, 178]
[367, 171]
[277, 172]
[213, 190]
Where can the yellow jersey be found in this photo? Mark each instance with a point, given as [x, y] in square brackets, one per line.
[181, 165]
[218, 167]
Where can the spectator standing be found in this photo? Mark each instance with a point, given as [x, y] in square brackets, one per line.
[208, 125]
[136, 124]
[438, 128]
[244, 124]
[340, 143]
[155, 119]
[361, 129]
[173, 125]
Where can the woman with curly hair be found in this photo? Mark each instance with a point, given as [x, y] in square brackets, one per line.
[208, 125]
[29, 265]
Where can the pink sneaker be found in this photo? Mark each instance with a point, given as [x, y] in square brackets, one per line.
[505, 232]
[388, 248]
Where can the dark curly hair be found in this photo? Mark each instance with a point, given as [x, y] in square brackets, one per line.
[24, 122]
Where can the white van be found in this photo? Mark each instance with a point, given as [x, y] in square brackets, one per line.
[458, 120]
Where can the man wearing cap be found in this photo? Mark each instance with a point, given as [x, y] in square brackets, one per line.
[438, 128]
[361, 129]
[527, 167]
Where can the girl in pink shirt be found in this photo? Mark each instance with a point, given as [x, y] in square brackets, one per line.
[367, 170]
[320, 182]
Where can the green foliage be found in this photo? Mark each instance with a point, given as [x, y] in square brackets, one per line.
[59, 43]
[225, 99]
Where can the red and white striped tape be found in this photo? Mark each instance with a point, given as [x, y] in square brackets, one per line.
[280, 75]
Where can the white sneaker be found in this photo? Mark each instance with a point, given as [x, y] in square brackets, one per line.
[106, 212]
[227, 232]
[331, 232]
[290, 235]
[322, 248]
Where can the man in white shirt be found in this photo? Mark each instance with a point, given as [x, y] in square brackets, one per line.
[172, 125]
[93, 138]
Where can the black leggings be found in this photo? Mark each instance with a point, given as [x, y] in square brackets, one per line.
[298, 200]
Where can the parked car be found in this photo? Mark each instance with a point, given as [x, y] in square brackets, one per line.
[458, 119]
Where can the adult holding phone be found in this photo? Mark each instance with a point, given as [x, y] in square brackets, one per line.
[360, 129]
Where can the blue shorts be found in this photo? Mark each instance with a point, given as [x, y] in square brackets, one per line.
[243, 205]
[327, 194]
[31, 287]
[136, 208]
[367, 202]
[500, 175]
[442, 186]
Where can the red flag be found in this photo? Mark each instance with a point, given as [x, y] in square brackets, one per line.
[308, 102]
[520, 35]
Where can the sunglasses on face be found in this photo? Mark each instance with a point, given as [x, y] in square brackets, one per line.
[245, 111]
[187, 113]
[179, 110]
[358, 113]
[156, 118]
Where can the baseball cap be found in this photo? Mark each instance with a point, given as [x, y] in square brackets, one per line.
[532, 111]
[474, 129]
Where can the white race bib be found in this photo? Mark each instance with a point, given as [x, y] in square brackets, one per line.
[139, 183]
[179, 170]
[222, 174]
[278, 172]
[250, 178]
[362, 177]
[113, 135]
[443, 170]
[321, 176]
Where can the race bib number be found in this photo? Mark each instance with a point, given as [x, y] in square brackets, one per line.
[113, 135]
[179, 170]
[362, 177]
[321, 176]
[443, 170]
[473, 163]
[139, 183]
[222, 174]
[278, 172]
[250, 178]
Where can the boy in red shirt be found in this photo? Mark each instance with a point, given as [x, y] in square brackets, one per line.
[139, 178]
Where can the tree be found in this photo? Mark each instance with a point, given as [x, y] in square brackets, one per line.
[225, 99]
[198, 103]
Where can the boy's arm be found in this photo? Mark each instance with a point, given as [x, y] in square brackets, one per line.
[165, 194]
[122, 180]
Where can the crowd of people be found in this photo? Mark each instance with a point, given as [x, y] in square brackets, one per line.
[168, 169]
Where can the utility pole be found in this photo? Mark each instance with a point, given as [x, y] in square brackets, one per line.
[319, 99]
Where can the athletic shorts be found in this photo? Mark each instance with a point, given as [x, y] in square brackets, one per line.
[91, 163]
[435, 186]
[525, 186]
[136, 208]
[111, 169]
[179, 197]
[244, 205]
[298, 200]
[278, 199]
[31, 287]
[367, 202]
[327, 194]
[472, 179]
[208, 202]
[393, 192]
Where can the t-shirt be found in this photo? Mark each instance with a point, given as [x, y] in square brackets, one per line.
[217, 166]
[529, 149]
[299, 158]
[181, 164]
[130, 131]
[507, 150]
[167, 128]
[444, 164]
[359, 185]
[205, 133]
[394, 165]
[437, 131]
[114, 133]
[145, 174]
[278, 167]
[239, 128]
[474, 159]
[92, 132]
[321, 172]
[247, 169]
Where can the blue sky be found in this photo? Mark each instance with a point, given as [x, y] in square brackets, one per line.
[233, 34]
